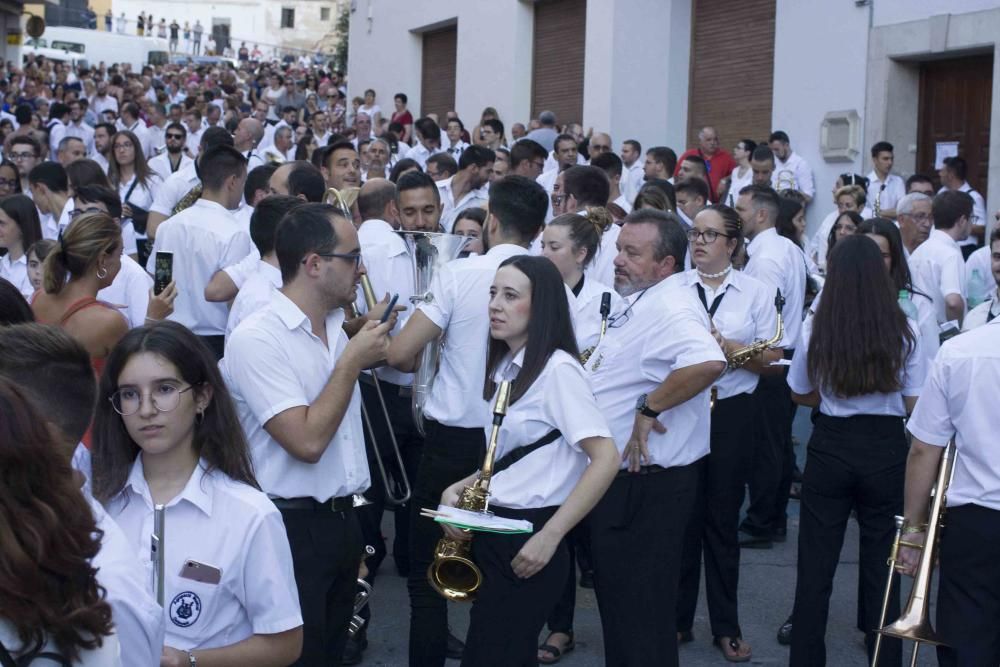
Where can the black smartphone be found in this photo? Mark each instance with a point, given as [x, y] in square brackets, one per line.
[388, 309]
[164, 271]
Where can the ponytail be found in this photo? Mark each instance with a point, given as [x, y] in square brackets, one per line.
[55, 269]
[78, 249]
[585, 231]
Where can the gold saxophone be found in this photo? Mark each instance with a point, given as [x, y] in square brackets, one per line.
[188, 200]
[453, 574]
[605, 312]
[740, 357]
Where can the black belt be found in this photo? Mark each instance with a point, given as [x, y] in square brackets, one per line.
[643, 470]
[402, 390]
[341, 504]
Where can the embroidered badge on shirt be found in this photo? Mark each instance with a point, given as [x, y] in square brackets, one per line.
[185, 609]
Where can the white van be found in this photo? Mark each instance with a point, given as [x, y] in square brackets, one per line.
[94, 47]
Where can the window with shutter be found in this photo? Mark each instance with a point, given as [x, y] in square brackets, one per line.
[557, 65]
[437, 81]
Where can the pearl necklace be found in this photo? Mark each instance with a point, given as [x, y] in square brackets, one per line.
[715, 275]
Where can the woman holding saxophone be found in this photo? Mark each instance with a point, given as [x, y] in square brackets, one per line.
[554, 425]
[861, 364]
[742, 311]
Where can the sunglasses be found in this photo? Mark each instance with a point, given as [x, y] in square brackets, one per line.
[175, 136]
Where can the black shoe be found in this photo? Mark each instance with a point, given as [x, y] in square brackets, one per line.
[785, 633]
[354, 650]
[455, 647]
[587, 579]
[780, 534]
[748, 541]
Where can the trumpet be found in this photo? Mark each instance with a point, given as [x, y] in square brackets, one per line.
[915, 623]
[453, 574]
[404, 482]
[605, 312]
[740, 357]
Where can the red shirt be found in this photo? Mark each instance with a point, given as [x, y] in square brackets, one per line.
[720, 165]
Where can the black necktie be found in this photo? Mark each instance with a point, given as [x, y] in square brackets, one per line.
[715, 302]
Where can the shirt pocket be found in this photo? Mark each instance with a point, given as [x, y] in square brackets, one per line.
[191, 608]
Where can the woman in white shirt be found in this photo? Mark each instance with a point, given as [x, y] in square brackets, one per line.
[742, 175]
[861, 364]
[742, 310]
[373, 110]
[554, 425]
[130, 175]
[19, 230]
[51, 605]
[166, 433]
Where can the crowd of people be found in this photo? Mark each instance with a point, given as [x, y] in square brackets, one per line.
[657, 319]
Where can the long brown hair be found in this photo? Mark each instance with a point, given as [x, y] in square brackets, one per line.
[139, 166]
[860, 338]
[218, 437]
[48, 588]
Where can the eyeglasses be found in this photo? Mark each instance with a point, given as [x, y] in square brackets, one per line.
[620, 320]
[351, 256]
[123, 147]
[707, 235]
[165, 398]
[8, 182]
[919, 217]
[21, 156]
[174, 136]
[77, 212]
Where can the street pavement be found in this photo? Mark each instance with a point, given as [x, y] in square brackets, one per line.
[767, 589]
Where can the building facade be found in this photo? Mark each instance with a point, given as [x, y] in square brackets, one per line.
[836, 76]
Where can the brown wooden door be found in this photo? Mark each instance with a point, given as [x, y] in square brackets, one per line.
[437, 81]
[955, 99]
[557, 65]
[732, 70]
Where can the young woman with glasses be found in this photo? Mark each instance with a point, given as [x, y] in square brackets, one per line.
[135, 183]
[742, 310]
[166, 433]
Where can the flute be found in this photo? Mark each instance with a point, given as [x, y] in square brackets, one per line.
[156, 549]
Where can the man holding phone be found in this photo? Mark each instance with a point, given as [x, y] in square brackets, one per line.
[203, 239]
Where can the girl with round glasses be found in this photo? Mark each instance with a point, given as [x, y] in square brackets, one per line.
[166, 433]
[742, 310]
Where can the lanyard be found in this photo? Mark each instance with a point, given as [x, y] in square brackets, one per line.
[715, 302]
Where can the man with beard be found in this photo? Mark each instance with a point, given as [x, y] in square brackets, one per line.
[173, 159]
[466, 188]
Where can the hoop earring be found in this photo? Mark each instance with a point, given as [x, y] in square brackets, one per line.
[102, 273]
[199, 417]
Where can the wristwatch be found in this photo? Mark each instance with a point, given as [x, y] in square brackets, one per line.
[642, 407]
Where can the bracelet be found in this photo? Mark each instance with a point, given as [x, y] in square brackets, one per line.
[153, 319]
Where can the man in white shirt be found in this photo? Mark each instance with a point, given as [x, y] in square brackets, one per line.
[294, 378]
[916, 219]
[612, 166]
[780, 264]
[651, 374]
[692, 197]
[278, 153]
[565, 152]
[102, 144]
[341, 166]
[428, 141]
[455, 412]
[957, 405]
[70, 149]
[173, 159]
[102, 101]
[577, 189]
[937, 266]
[467, 188]
[192, 120]
[247, 137]
[362, 128]
[660, 164]
[953, 175]
[633, 174]
[455, 143]
[791, 170]
[527, 158]
[55, 371]
[885, 189]
[78, 128]
[204, 239]
[989, 308]
[58, 117]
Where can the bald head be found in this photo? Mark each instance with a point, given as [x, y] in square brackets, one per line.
[248, 134]
[599, 143]
[377, 201]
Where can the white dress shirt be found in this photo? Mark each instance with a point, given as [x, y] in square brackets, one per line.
[552, 163]
[417, 152]
[895, 189]
[602, 266]
[192, 141]
[101, 104]
[745, 315]
[226, 524]
[980, 260]
[16, 272]
[141, 196]
[390, 270]
[795, 169]
[663, 329]
[274, 362]
[938, 270]
[174, 188]
[101, 160]
[624, 203]
[139, 129]
[456, 150]
[911, 380]
[737, 183]
[586, 310]
[108, 654]
[780, 264]
[140, 624]
[978, 210]
[461, 292]
[204, 238]
[982, 314]
[254, 294]
[129, 292]
[548, 181]
[633, 179]
[930, 337]
[451, 208]
[83, 132]
[241, 271]
[57, 130]
[560, 399]
[160, 165]
[958, 401]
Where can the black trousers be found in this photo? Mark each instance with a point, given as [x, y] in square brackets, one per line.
[410, 446]
[773, 458]
[578, 546]
[215, 344]
[326, 551]
[509, 612]
[854, 463]
[714, 527]
[968, 603]
[450, 454]
[637, 532]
